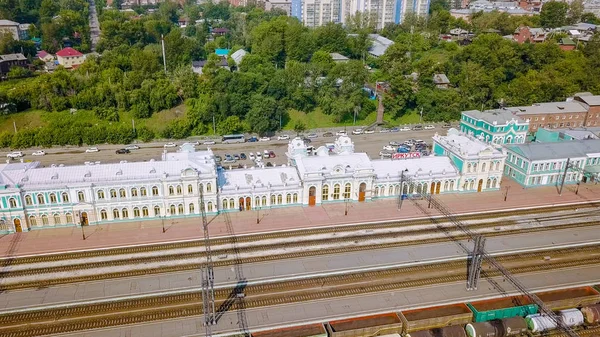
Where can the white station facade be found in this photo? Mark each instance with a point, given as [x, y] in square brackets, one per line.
[34, 197]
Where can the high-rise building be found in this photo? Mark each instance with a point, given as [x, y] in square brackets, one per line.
[320, 12]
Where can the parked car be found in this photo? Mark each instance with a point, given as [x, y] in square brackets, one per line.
[389, 148]
[395, 130]
[446, 126]
[251, 156]
[419, 141]
[209, 142]
[264, 139]
[328, 134]
[306, 140]
[410, 141]
[229, 161]
[218, 159]
[406, 128]
[272, 154]
[429, 127]
[417, 128]
[385, 154]
[312, 135]
[395, 143]
[252, 139]
[236, 157]
[243, 156]
[122, 151]
[341, 133]
[403, 149]
[170, 145]
[258, 155]
[228, 157]
[92, 149]
[357, 131]
[283, 137]
[39, 153]
[132, 147]
[266, 154]
[16, 154]
[368, 132]
[384, 130]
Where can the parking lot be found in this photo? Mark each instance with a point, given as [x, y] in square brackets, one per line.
[372, 144]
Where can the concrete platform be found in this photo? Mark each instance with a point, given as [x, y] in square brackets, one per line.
[292, 269]
[141, 232]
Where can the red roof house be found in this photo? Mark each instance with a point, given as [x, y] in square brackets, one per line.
[69, 57]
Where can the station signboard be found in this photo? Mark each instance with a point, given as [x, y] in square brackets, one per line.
[409, 155]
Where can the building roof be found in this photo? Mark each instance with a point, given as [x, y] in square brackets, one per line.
[238, 55]
[68, 52]
[12, 57]
[465, 145]
[440, 79]
[379, 44]
[434, 165]
[567, 41]
[222, 51]
[495, 117]
[549, 108]
[42, 54]
[220, 30]
[591, 100]
[338, 57]
[556, 150]
[332, 164]
[8, 23]
[578, 133]
[258, 178]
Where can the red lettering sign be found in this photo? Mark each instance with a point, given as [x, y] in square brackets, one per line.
[406, 155]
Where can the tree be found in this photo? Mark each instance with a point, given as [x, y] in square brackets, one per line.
[575, 12]
[231, 124]
[299, 127]
[264, 115]
[554, 14]
[590, 18]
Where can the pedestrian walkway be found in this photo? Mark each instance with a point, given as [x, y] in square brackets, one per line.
[285, 218]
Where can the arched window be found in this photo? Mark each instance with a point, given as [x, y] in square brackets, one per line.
[208, 187]
[295, 199]
[156, 210]
[279, 199]
[483, 167]
[376, 192]
[172, 209]
[190, 189]
[56, 219]
[45, 220]
[32, 220]
[200, 188]
[325, 193]
[336, 192]
[103, 214]
[12, 202]
[390, 190]
[475, 167]
[494, 183]
[144, 211]
[347, 190]
[225, 204]
[154, 190]
[264, 200]
[257, 202]
[125, 213]
[445, 185]
[134, 192]
[40, 199]
[65, 197]
[419, 188]
[136, 212]
[411, 189]
[497, 166]
[405, 188]
[113, 193]
[171, 190]
[116, 214]
[53, 198]
[191, 208]
[100, 194]
[179, 190]
[273, 199]
[231, 203]
[69, 218]
[472, 185]
[28, 200]
[122, 193]
[143, 191]
[80, 196]
[488, 183]
[209, 206]
[180, 209]
[397, 190]
[468, 167]
[288, 199]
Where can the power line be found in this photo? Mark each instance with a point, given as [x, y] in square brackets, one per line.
[207, 274]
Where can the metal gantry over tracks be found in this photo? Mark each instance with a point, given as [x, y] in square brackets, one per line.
[207, 274]
[478, 254]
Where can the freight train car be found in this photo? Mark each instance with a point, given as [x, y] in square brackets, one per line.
[569, 298]
[367, 326]
[313, 330]
[500, 308]
[506, 327]
[449, 331]
[437, 317]
[591, 314]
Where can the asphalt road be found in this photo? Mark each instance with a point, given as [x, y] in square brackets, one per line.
[372, 144]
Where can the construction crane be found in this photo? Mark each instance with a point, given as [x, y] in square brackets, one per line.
[478, 254]
[207, 274]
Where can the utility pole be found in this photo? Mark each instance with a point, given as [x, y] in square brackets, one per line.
[133, 124]
[15, 126]
[562, 183]
[207, 275]
[421, 116]
[214, 126]
[162, 41]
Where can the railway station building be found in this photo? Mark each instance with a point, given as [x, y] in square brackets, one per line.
[34, 197]
[500, 126]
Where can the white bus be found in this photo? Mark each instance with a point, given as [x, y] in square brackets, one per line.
[228, 139]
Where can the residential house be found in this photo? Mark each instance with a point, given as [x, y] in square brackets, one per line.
[531, 5]
[567, 44]
[533, 35]
[338, 58]
[8, 61]
[219, 31]
[542, 164]
[592, 104]
[480, 165]
[198, 66]
[441, 81]
[69, 58]
[238, 56]
[498, 126]
[222, 52]
[552, 115]
[45, 56]
[10, 27]
[183, 22]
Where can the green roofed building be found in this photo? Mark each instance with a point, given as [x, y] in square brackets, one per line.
[500, 126]
[543, 164]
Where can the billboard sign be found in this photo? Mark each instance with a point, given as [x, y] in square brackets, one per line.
[409, 155]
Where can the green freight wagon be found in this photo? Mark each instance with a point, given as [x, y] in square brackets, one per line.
[500, 308]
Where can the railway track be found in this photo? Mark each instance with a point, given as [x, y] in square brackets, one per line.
[182, 304]
[344, 244]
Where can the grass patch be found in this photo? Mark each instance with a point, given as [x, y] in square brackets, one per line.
[30, 119]
[159, 120]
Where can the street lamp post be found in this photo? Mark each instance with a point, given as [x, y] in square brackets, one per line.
[506, 193]
[257, 215]
[162, 219]
[81, 223]
[346, 210]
